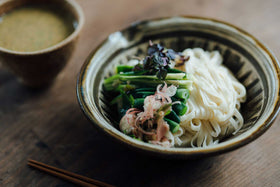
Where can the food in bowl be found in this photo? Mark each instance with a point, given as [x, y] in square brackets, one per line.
[246, 57]
[186, 99]
[35, 27]
[37, 38]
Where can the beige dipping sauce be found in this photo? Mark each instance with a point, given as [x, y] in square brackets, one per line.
[34, 27]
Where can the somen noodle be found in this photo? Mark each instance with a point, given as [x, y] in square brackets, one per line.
[214, 103]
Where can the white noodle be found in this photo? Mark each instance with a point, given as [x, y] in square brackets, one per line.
[213, 106]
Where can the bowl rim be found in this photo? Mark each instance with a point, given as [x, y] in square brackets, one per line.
[185, 152]
[80, 20]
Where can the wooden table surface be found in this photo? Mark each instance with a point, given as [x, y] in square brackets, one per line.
[48, 125]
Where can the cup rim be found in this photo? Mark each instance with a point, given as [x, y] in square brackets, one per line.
[80, 20]
[185, 152]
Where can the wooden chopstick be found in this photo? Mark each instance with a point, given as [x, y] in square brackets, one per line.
[66, 175]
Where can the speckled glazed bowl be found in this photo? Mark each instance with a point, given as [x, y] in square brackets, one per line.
[251, 62]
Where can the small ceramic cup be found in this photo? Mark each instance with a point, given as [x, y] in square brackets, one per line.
[39, 68]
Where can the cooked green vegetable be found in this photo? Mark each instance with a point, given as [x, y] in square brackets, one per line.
[172, 70]
[174, 127]
[138, 103]
[166, 108]
[177, 99]
[150, 83]
[116, 100]
[173, 116]
[129, 73]
[143, 81]
[143, 94]
[124, 68]
[145, 89]
[182, 93]
[180, 109]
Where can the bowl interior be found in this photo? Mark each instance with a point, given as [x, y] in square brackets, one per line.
[248, 60]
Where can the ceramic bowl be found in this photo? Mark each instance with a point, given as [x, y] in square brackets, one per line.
[39, 68]
[251, 62]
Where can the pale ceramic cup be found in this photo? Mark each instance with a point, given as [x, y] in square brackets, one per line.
[41, 67]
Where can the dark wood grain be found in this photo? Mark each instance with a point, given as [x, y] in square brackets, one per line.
[48, 125]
